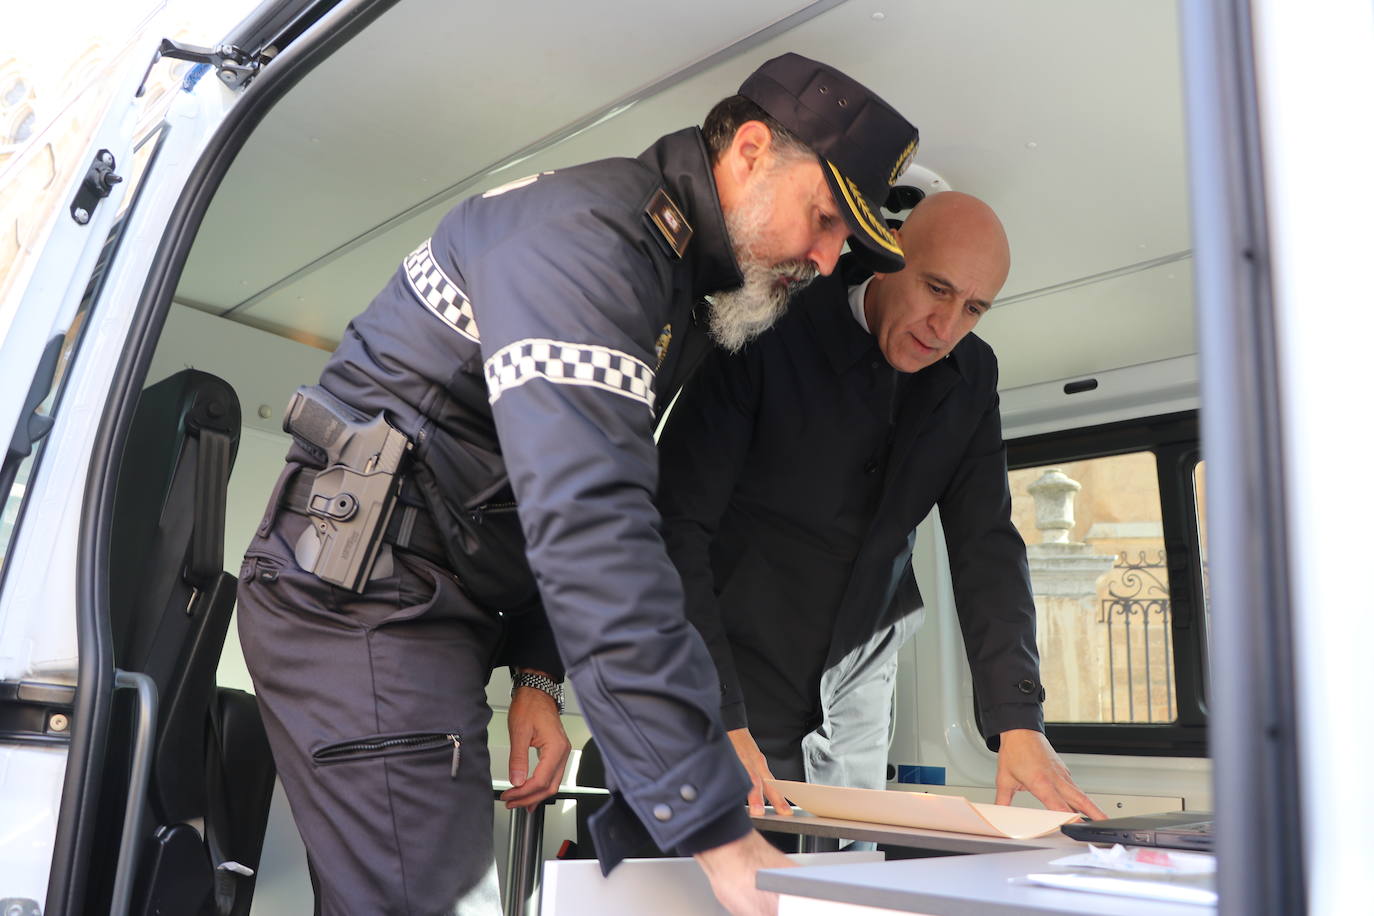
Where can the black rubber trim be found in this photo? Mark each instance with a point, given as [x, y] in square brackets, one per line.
[81, 789]
[276, 24]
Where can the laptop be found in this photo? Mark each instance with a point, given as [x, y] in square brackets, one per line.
[1175, 830]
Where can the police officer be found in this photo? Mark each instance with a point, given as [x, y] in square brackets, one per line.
[521, 351]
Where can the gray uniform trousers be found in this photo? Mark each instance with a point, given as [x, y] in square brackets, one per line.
[362, 696]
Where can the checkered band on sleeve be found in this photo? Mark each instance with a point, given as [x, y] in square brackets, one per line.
[569, 364]
[439, 294]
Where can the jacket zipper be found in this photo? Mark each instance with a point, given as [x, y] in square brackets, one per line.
[412, 742]
[477, 514]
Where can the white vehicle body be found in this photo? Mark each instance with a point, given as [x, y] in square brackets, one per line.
[1187, 194]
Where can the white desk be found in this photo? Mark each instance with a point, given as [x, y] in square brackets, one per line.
[977, 877]
[973, 885]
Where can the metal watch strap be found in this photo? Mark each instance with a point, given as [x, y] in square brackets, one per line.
[539, 682]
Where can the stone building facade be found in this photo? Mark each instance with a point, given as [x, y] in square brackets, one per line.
[1095, 544]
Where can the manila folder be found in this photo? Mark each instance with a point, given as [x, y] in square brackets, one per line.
[918, 809]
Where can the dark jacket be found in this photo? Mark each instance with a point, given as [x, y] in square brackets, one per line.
[793, 476]
[523, 348]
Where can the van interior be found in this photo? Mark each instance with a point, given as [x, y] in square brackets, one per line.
[1065, 115]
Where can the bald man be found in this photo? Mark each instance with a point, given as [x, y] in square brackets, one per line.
[793, 475]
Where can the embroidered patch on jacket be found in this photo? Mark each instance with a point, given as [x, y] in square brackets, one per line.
[440, 294]
[676, 231]
[565, 363]
[665, 337]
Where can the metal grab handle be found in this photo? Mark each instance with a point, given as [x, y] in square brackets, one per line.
[145, 727]
[524, 861]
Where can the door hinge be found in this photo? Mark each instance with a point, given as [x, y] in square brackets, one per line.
[36, 713]
[234, 65]
[99, 182]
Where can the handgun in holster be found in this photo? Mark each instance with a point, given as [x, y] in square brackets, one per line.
[352, 498]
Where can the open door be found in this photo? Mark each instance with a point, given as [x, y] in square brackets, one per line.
[45, 408]
[71, 347]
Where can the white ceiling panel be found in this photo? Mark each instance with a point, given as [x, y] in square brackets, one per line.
[1124, 321]
[430, 93]
[1064, 114]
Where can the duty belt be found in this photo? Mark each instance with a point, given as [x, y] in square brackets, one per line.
[410, 528]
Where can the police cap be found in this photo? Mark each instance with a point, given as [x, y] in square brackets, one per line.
[862, 142]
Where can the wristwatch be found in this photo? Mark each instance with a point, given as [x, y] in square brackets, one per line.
[539, 682]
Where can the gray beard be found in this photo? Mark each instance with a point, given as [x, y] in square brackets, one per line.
[741, 314]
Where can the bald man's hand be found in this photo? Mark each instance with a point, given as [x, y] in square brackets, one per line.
[1027, 762]
[756, 765]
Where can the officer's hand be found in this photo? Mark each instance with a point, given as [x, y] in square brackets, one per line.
[533, 723]
[757, 767]
[733, 870]
[1026, 761]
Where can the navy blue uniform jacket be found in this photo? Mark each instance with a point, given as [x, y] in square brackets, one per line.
[523, 349]
[793, 476]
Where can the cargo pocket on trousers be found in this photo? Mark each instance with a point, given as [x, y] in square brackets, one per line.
[431, 595]
[398, 745]
[258, 567]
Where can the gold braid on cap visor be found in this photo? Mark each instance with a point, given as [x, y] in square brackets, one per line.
[903, 162]
[875, 227]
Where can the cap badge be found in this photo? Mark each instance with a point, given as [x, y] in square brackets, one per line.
[903, 162]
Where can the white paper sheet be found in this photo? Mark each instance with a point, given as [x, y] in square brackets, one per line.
[1128, 887]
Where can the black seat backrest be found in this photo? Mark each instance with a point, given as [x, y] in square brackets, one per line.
[170, 599]
[171, 602]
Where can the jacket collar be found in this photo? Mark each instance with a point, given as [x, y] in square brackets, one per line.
[682, 159]
[826, 305]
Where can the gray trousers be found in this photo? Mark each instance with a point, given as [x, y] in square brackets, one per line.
[849, 747]
[362, 696]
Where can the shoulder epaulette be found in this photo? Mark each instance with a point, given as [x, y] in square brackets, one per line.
[668, 219]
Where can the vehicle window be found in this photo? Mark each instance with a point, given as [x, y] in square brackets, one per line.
[132, 173]
[1112, 518]
[9, 513]
[1099, 572]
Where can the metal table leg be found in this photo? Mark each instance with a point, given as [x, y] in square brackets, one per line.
[810, 843]
[523, 860]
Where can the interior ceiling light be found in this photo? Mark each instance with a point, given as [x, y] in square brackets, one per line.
[913, 186]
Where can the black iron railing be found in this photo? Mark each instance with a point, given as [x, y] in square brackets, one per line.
[1140, 655]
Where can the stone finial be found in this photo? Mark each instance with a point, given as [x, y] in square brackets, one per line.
[1054, 494]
